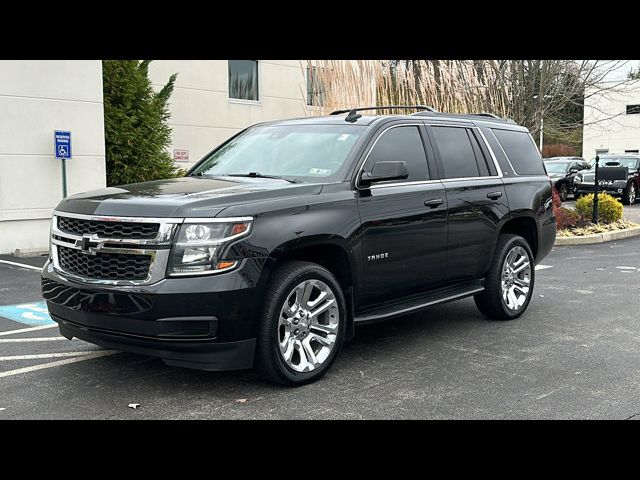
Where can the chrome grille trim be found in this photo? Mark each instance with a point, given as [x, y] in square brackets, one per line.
[158, 248]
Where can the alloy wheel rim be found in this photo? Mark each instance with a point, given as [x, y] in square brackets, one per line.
[516, 278]
[632, 194]
[308, 325]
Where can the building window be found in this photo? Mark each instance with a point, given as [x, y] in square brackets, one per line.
[633, 109]
[243, 79]
[315, 89]
[631, 151]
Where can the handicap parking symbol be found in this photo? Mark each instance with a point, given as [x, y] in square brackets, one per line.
[63, 151]
[27, 313]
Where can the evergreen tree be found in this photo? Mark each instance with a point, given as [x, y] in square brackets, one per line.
[135, 119]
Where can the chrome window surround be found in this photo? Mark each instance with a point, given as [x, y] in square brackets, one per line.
[158, 248]
[421, 182]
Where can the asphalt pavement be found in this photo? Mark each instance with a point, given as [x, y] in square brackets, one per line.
[574, 354]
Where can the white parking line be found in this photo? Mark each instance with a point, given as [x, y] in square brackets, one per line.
[23, 265]
[542, 267]
[30, 329]
[36, 339]
[66, 361]
[46, 355]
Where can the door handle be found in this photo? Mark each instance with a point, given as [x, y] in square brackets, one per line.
[494, 195]
[433, 203]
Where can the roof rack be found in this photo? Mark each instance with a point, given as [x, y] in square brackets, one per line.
[353, 115]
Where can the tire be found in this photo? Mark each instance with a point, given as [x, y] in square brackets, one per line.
[491, 302]
[563, 190]
[277, 324]
[630, 195]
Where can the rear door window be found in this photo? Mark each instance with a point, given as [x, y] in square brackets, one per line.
[457, 156]
[521, 151]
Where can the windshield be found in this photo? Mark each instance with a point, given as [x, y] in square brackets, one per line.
[290, 151]
[623, 161]
[556, 167]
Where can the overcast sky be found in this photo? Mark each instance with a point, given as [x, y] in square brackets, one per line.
[621, 72]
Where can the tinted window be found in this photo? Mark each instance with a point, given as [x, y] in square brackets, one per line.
[456, 152]
[401, 144]
[521, 151]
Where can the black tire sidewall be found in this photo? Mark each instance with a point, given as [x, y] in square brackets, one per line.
[290, 375]
[521, 242]
[563, 188]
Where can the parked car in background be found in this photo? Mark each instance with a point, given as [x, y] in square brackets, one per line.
[562, 171]
[626, 190]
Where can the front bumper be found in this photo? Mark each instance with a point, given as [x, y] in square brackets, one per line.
[203, 322]
[613, 190]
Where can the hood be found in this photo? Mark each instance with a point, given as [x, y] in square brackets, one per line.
[182, 197]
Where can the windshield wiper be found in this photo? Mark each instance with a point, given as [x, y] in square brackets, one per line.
[259, 175]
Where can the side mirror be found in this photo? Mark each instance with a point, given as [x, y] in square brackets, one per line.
[573, 170]
[384, 171]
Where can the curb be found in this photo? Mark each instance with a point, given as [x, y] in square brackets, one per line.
[598, 237]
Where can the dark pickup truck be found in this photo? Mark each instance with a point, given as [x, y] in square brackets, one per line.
[281, 241]
[624, 188]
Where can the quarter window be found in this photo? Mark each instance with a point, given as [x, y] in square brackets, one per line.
[243, 79]
[521, 151]
[456, 152]
[401, 144]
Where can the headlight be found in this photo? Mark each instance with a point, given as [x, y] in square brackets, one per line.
[200, 247]
[577, 179]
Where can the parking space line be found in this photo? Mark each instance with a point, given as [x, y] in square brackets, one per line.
[57, 363]
[23, 265]
[30, 329]
[46, 355]
[542, 267]
[36, 339]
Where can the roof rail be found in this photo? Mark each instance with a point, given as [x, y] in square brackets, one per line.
[353, 116]
[486, 114]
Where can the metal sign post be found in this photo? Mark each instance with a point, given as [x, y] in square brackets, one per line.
[62, 150]
[595, 192]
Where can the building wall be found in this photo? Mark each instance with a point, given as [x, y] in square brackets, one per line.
[606, 124]
[36, 98]
[203, 115]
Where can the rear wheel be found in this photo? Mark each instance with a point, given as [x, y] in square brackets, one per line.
[509, 283]
[630, 194]
[302, 325]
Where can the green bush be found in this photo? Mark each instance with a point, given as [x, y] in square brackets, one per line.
[135, 122]
[609, 209]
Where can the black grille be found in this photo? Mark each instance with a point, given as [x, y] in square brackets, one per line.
[131, 230]
[104, 266]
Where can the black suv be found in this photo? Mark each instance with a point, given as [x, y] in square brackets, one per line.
[627, 190]
[278, 243]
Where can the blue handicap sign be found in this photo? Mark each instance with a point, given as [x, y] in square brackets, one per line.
[62, 144]
[28, 313]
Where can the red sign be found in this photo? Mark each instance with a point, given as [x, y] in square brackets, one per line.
[181, 155]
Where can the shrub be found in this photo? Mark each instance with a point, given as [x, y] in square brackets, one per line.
[558, 150]
[609, 209]
[137, 132]
[567, 218]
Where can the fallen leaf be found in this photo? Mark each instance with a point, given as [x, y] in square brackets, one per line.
[134, 405]
[241, 400]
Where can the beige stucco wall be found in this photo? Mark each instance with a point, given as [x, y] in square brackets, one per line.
[606, 124]
[203, 115]
[36, 98]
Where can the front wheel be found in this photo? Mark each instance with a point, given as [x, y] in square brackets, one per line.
[630, 195]
[563, 190]
[509, 283]
[302, 325]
